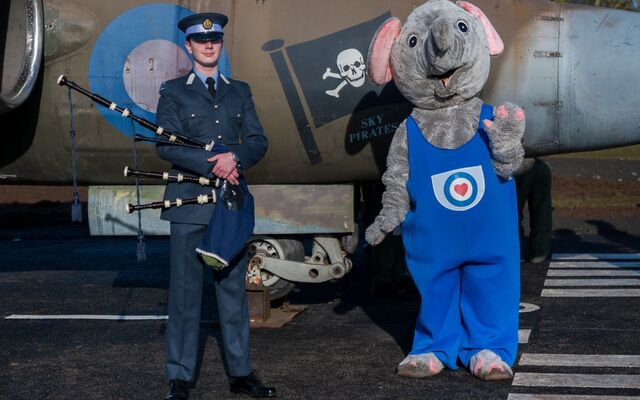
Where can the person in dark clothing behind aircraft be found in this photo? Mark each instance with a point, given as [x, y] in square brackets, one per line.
[533, 185]
[207, 106]
[389, 274]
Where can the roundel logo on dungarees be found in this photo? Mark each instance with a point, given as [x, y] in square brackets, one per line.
[459, 189]
[134, 54]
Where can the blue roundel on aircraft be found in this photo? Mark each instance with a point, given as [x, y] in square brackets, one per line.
[134, 54]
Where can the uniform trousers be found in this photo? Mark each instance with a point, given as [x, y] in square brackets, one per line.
[185, 300]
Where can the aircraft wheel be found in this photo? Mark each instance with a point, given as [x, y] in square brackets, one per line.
[288, 249]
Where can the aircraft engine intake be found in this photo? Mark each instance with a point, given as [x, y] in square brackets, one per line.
[21, 47]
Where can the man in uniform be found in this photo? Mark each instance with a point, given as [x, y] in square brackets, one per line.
[207, 106]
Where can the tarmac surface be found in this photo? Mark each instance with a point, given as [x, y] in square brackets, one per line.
[347, 343]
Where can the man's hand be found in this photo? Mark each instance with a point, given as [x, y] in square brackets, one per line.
[225, 167]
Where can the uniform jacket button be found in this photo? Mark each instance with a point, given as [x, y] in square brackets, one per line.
[219, 137]
[215, 106]
[217, 122]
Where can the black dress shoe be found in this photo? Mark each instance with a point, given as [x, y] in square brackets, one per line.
[250, 385]
[178, 390]
[540, 261]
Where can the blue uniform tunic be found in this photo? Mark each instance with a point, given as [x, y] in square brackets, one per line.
[462, 249]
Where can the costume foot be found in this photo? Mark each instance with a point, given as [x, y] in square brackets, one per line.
[488, 366]
[420, 366]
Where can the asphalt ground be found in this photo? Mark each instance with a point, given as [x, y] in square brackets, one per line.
[346, 345]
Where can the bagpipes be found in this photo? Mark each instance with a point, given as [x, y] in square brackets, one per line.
[231, 223]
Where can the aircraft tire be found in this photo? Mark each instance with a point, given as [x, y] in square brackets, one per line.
[288, 249]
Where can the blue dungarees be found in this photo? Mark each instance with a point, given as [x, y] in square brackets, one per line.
[462, 249]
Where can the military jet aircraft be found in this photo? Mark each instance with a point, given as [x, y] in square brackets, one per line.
[572, 67]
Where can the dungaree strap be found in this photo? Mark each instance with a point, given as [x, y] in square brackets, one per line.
[485, 113]
[411, 124]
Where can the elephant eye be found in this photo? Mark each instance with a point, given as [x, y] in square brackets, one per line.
[413, 40]
[462, 27]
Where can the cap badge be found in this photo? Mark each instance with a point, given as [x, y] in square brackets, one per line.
[207, 24]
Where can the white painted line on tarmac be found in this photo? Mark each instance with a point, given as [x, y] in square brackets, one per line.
[591, 282]
[596, 256]
[522, 396]
[595, 264]
[581, 360]
[577, 380]
[590, 293]
[523, 336]
[528, 307]
[594, 272]
[92, 317]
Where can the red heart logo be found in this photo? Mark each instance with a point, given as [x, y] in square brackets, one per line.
[461, 189]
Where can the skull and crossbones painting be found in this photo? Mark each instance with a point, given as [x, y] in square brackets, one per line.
[351, 70]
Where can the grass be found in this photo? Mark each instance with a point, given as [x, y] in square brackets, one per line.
[619, 153]
[582, 193]
[573, 202]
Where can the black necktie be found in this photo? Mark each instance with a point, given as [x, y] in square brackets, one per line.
[211, 85]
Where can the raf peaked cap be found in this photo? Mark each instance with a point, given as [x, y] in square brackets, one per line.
[203, 26]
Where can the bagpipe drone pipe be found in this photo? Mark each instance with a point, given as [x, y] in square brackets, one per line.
[172, 137]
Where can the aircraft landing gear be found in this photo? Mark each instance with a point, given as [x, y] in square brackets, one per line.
[284, 260]
[276, 264]
[281, 249]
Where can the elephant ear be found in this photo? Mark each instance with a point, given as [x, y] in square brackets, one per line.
[495, 43]
[378, 60]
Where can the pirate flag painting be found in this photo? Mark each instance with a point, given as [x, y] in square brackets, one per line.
[331, 71]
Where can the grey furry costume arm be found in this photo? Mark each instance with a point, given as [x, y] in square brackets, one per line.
[505, 139]
[395, 199]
